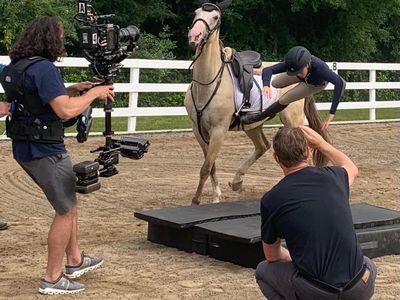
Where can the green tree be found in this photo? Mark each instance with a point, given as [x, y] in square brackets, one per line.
[15, 15]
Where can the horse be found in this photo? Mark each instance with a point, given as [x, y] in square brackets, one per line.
[209, 101]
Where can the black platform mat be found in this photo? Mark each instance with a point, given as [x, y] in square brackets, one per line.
[188, 216]
[227, 239]
[367, 216]
[230, 231]
[245, 230]
[364, 215]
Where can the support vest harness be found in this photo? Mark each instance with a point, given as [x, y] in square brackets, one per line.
[25, 123]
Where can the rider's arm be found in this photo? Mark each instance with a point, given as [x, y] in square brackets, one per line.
[269, 71]
[338, 91]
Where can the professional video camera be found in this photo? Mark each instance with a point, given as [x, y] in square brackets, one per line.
[105, 47]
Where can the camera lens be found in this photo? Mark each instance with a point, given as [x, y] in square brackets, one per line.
[130, 33]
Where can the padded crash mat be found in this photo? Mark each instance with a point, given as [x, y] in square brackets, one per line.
[188, 216]
[367, 216]
[230, 231]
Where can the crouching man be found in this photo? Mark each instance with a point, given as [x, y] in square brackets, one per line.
[309, 208]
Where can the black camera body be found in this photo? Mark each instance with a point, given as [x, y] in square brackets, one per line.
[108, 38]
[105, 46]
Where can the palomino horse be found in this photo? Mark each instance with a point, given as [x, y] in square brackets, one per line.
[210, 103]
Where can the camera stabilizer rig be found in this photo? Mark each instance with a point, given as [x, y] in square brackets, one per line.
[105, 47]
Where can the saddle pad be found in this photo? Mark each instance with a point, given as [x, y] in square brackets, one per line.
[255, 94]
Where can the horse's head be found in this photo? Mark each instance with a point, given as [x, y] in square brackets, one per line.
[207, 20]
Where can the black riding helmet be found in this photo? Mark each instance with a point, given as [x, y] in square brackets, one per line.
[296, 59]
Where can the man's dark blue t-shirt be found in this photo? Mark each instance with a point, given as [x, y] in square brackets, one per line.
[310, 210]
[44, 78]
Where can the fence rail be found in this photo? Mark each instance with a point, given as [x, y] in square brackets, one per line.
[134, 87]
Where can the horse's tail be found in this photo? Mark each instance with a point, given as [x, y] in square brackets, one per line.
[314, 121]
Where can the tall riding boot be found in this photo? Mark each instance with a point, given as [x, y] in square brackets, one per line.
[271, 111]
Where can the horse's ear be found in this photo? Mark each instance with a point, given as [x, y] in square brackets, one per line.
[224, 4]
[201, 2]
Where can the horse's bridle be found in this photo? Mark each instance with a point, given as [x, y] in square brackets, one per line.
[206, 7]
[209, 31]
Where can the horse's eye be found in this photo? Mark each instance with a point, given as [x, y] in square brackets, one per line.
[216, 18]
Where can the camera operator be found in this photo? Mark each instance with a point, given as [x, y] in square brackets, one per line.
[37, 142]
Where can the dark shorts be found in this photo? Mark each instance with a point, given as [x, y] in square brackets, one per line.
[55, 176]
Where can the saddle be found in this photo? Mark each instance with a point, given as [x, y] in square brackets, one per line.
[243, 64]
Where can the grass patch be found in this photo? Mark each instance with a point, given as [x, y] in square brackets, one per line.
[363, 114]
[183, 122]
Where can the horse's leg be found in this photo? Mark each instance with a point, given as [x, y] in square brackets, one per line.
[208, 168]
[261, 145]
[293, 115]
[213, 176]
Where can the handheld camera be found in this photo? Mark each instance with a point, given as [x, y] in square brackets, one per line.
[105, 46]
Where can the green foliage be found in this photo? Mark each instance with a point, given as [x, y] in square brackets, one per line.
[183, 122]
[15, 15]
[363, 95]
[334, 30]
[159, 47]
[388, 95]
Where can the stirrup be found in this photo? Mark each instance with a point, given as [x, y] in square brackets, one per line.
[246, 105]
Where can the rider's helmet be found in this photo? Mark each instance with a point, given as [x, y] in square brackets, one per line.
[296, 59]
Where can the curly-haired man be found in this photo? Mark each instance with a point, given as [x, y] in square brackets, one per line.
[36, 130]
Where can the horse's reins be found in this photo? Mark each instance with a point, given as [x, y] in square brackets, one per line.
[199, 112]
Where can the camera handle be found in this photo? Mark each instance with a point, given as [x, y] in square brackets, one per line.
[108, 108]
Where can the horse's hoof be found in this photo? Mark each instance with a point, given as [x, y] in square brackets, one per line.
[236, 186]
[195, 201]
[215, 201]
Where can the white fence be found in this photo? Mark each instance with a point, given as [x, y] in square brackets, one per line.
[134, 87]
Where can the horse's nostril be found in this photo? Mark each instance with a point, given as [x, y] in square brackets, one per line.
[197, 37]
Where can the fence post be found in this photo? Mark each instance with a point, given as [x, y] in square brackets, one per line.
[372, 96]
[133, 98]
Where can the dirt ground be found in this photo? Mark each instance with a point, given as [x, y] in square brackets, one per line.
[167, 176]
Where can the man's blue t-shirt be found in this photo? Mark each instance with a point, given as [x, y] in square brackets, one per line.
[44, 78]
